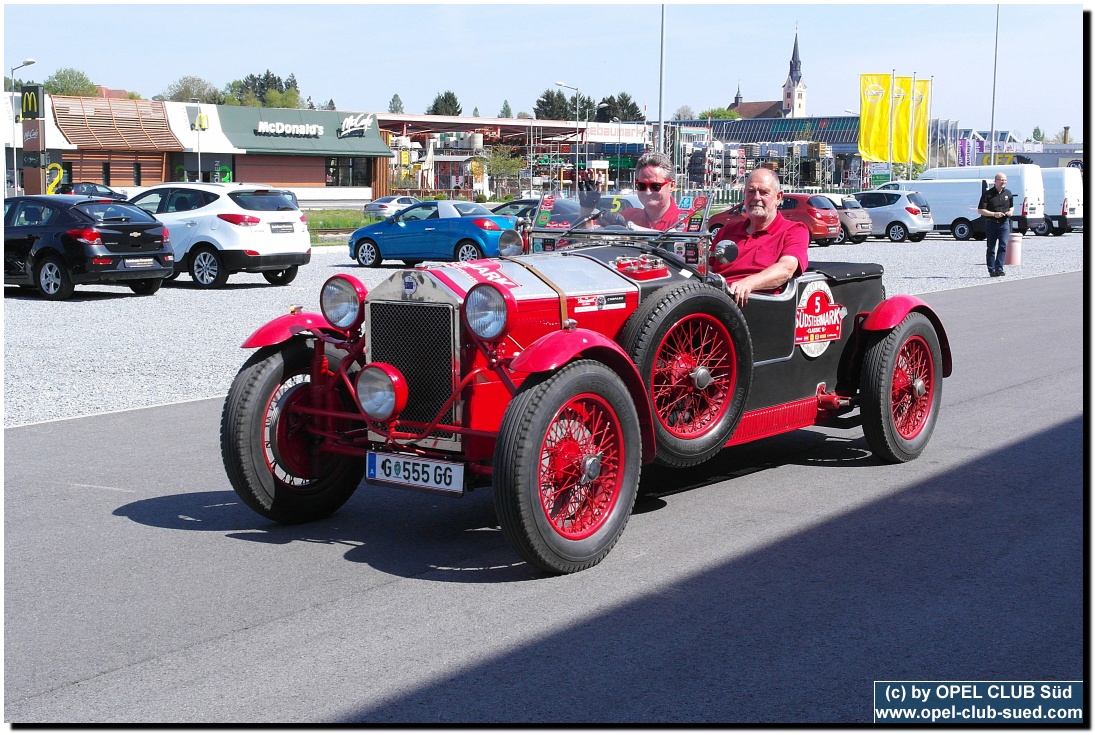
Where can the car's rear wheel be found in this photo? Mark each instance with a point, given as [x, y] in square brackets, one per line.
[897, 232]
[145, 286]
[826, 242]
[714, 230]
[691, 345]
[901, 387]
[367, 253]
[961, 229]
[917, 237]
[282, 277]
[52, 279]
[467, 250]
[269, 452]
[411, 263]
[207, 268]
[566, 467]
[1058, 231]
[860, 239]
[1041, 228]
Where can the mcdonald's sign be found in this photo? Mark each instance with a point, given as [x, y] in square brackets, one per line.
[32, 102]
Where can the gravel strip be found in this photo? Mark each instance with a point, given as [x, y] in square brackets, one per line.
[108, 350]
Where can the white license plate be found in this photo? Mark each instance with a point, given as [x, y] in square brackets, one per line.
[281, 227]
[139, 262]
[401, 469]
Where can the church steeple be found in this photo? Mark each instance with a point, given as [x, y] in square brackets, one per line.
[795, 74]
[737, 97]
[794, 91]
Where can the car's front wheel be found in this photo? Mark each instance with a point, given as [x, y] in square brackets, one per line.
[207, 268]
[367, 254]
[897, 232]
[566, 467]
[467, 250]
[268, 449]
[962, 229]
[843, 237]
[917, 237]
[145, 286]
[283, 277]
[901, 387]
[53, 280]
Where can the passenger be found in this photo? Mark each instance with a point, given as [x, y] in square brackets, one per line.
[771, 248]
[654, 183]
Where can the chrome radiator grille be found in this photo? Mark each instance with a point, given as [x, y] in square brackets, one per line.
[420, 340]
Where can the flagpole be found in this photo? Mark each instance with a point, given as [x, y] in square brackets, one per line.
[912, 116]
[931, 93]
[995, 54]
[889, 161]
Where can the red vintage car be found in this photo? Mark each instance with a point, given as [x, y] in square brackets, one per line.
[553, 376]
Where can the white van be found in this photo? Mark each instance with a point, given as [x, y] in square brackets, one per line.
[953, 203]
[1064, 201]
[1024, 181]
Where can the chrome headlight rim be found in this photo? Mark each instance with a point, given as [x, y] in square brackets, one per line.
[488, 312]
[510, 243]
[342, 302]
[380, 391]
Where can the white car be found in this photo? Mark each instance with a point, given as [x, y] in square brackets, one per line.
[220, 229]
[898, 215]
[387, 206]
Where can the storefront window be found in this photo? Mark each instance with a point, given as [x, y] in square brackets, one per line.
[349, 172]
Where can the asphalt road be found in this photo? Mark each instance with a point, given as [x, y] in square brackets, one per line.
[773, 584]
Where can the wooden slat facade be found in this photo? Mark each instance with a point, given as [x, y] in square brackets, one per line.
[87, 165]
[97, 122]
[382, 170]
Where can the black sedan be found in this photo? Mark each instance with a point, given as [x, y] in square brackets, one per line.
[56, 241]
[89, 189]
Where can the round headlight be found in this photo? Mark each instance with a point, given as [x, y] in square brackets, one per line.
[486, 311]
[342, 300]
[510, 243]
[381, 391]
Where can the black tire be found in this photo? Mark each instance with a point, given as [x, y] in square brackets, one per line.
[918, 237]
[696, 326]
[367, 253]
[1042, 228]
[266, 448]
[902, 388]
[826, 242]
[1058, 231]
[859, 240]
[843, 237]
[411, 263]
[897, 232]
[52, 280]
[207, 268]
[467, 250]
[145, 286]
[714, 230]
[283, 277]
[961, 229]
[566, 467]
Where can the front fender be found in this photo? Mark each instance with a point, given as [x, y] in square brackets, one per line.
[893, 311]
[287, 326]
[556, 349]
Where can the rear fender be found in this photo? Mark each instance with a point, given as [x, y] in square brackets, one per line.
[893, 311]
[552, 351]
[286, 326]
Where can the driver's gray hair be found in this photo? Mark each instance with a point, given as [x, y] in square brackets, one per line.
[654, 158]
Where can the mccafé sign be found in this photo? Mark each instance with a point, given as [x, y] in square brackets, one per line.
[288, 130]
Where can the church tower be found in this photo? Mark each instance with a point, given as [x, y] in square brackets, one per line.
[794, 91]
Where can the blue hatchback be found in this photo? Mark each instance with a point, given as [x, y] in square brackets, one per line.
[442, 230]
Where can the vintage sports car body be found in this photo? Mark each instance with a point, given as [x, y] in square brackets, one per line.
[553, 376]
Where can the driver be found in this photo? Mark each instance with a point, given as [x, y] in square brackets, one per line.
[654, 182]
[771, 248]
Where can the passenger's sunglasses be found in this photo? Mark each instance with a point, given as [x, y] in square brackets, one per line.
[654, 187]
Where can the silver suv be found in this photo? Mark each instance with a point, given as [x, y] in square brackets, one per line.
[898, 215]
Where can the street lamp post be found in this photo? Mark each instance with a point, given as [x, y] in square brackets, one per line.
[576, 99]
[619, 165]
[15, 130]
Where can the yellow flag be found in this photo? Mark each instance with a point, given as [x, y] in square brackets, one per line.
[902, 109]
[874, 117]
[921, 107]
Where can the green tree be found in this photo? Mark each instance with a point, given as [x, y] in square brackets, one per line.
[252, 90]
[396, 105]
[553, 105]
[12, 85]
[330, 105]
[719, 113]
[475, 112]
[183, 88]
[502, 162]
[72, 82]
[684, 112]
[628, 110]
[1038, 135]
[506, 111]
[289, 99]
[523, 116]
[445, 103]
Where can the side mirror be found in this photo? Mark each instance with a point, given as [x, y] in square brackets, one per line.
[726, 252]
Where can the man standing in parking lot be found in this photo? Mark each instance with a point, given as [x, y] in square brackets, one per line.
[996, 206]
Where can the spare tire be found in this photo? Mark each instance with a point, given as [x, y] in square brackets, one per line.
[691, 345]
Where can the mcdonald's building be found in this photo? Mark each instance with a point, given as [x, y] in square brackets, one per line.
[127, 144]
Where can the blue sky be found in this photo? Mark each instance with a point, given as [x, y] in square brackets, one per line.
[361, 54]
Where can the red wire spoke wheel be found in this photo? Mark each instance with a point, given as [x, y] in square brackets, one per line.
[566, 466]
[899, 392]
[580, 466]
[691, 345]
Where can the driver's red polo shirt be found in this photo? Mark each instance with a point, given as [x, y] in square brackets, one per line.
[638, 216]
[761, 249]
